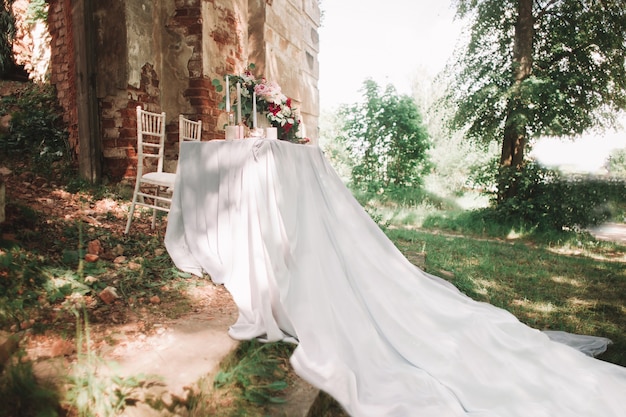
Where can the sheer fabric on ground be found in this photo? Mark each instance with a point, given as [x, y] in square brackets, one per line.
[274, 223]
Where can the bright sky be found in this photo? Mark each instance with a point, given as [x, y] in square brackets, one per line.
[387, 41]
[586, 154]
[395, 40]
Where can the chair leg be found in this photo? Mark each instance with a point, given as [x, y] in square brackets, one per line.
[131, 212]
[154, 211]
[130, 216]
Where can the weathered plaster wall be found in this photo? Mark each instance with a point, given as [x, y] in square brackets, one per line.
[126, 77]
[291, 46]
[156, 43]
[224, 49]
[164, 54]
[283, 43]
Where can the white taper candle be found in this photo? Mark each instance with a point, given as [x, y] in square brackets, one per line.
[227, 96]
[254, 110]
[238, 103]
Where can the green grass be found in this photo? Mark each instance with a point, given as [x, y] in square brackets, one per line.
[250, 383]
[576, 288]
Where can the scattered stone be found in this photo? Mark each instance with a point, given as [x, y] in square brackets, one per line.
[118, 250]
[108, 295]
[155, 299]
[43, 302]
[64, 194]
[5, 123]
[90, 257]
[39, 182]
[90, 279]
[46, 201]
[94, 247]
[27, 324]
[119, 260]
[134, 266]
[90, 220]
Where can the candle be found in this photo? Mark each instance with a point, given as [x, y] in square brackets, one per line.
[227, 96]
[238, 103]
[254, 110]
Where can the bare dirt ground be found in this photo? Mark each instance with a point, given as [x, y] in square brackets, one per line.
[128, 329]
[176, 342]
[57, 210]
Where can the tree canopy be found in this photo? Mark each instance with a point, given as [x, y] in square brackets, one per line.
[536, 68]
[386, 139]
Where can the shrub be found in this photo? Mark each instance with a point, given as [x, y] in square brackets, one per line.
[36, 129]
[548, 200]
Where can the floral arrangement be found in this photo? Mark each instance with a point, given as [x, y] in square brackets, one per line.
[271, 103]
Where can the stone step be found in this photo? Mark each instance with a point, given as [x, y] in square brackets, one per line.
[174, 359]
[190, 351]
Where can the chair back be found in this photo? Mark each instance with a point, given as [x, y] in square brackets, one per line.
[150, 140]
[189, 130]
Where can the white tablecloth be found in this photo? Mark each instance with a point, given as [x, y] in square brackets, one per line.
[272, 222]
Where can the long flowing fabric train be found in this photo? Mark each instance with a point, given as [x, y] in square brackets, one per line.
[304, 262]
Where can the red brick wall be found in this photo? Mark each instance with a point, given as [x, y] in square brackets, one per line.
[62, 69]
[229, 55]
[187, 21]
[118, 124]
[118, 114]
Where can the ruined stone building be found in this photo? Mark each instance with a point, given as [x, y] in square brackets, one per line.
[108, 56]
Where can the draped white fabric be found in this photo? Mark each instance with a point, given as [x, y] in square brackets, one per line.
[303, 261]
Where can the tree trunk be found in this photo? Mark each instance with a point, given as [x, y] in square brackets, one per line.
[515, 134]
